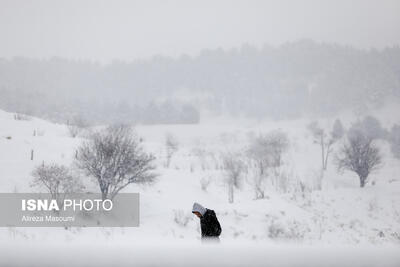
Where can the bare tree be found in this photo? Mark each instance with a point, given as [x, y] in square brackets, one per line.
[325, 141]
[171, 146]
[57, 180]
[359, 155]
[114, 157]
[234, 167]
[260, 159]
[266, 154]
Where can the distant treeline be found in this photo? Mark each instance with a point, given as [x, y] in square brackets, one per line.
[288, 81]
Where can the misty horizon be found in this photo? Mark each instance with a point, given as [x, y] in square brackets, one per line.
[131, 30]
[289, 81]
[198, 53]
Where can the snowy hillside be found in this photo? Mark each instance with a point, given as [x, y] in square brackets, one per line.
[339, 213]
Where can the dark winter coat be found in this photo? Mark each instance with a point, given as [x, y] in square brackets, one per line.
[210, 226]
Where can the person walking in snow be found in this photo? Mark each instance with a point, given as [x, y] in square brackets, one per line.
[210, 227]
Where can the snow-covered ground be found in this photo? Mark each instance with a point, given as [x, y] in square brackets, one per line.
[341, 213]
[189, 254]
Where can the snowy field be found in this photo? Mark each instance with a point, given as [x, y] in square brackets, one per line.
[189, 254]
[339, 221]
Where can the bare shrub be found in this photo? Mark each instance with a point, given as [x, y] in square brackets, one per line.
[57, 180]
[302, 190]
[114, 157]
[233, 166]
[259, 181]
[266, 153]
[171, 147]
[359, 155]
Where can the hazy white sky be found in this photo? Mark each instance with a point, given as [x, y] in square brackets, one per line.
[105, 30]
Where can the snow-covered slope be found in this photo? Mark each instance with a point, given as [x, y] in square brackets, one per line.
[339, 213]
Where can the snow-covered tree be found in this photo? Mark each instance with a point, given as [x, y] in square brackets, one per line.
[57, 180]
[115, 158]
[359, 155]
